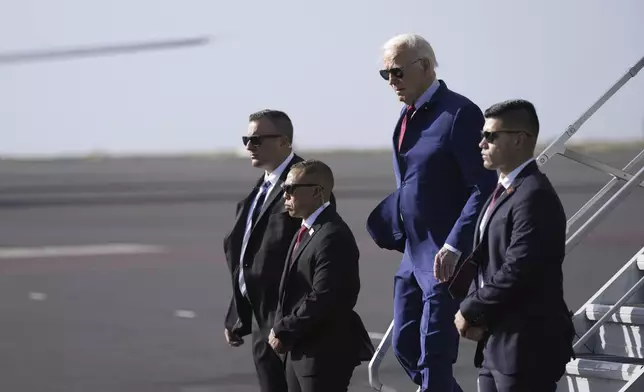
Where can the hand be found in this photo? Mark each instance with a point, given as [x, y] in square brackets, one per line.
[467, 331]
[461, 324]
[445, 264]
[475, 333]
[275, 343]
[233, 339]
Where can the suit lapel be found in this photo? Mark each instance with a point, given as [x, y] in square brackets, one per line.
[291, 258]
[305, 241]
[276, 191]
[422, 110]
[287, 267]
[477, 231]
[504, 196]
[507, 193]
[270, 198]
[240, 220]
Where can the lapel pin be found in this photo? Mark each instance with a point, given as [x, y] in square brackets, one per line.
[510, 190]
[311, 231]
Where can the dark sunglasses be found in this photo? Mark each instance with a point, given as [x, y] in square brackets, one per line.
[256, 140]
[398, 72]
[290, 188]
[490, 137]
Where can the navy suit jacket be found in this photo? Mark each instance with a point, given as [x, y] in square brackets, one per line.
[441, 181]
[522, 301]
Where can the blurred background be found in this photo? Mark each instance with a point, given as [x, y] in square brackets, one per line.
[121, 160]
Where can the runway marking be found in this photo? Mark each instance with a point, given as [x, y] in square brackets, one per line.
[376, 335]
[37, 296]
[77, 250]
[185, 314]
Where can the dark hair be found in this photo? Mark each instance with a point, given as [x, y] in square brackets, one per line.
[515, 113]
[317, 169]
[279, 119]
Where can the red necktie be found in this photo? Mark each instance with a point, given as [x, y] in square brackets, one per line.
[403, 126]
[300, 234]
[497, 192]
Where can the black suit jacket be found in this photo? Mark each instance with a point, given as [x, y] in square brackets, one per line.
[522, 301]
[315, 320]
[264, 258]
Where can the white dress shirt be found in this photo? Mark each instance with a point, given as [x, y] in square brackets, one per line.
[308, 222]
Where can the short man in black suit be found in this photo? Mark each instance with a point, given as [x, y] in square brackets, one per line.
[516, 309]
[322, 337]
[257, 244]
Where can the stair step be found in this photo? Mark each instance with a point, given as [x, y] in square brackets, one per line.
[640, 262]
[632, 314]
[604, 366]
[620, 339]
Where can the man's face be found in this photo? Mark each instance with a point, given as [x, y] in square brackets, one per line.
[264, 143]
[406, 74]
[499, 145]
[301, 195]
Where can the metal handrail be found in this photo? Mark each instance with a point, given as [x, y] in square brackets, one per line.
[374, 364]
[598, 216]
[595, 328]
[557, 147]
[602, 192]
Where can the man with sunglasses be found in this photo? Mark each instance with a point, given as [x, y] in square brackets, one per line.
[430, 218]
[316, 329]
[256, 246]
[516, 310]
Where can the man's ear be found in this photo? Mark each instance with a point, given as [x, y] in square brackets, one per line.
[319, 192]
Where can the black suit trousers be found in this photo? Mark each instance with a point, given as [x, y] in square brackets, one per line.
[542, 379]
[268, 364]
[328, 379]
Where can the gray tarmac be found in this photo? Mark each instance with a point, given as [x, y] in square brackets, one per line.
[144, 322]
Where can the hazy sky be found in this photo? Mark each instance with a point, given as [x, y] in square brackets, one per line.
[318, 61]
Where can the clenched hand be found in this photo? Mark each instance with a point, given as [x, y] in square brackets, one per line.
[233, 339]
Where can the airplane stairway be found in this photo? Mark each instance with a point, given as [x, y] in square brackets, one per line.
[609, 343]
[610, 331]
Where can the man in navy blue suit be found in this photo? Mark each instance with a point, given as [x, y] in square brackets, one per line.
[430, 218]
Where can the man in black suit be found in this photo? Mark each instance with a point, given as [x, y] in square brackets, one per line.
[256, 246]
[516, 309]
[322, 337]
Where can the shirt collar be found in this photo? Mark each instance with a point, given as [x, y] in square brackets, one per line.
[509, 179]
[308, 222]
[277, 173]
[427, 95]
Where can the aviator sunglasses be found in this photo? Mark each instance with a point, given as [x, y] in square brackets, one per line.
[256, 140]
[398, 72]
[490, 137]
[290, 188]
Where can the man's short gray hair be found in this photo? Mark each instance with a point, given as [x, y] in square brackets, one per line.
[278, 118]
[317, 169]
[415, 42]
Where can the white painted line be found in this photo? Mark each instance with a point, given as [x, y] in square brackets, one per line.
[185, 314]
[376, 335]
[77, 250]
[37, 296]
